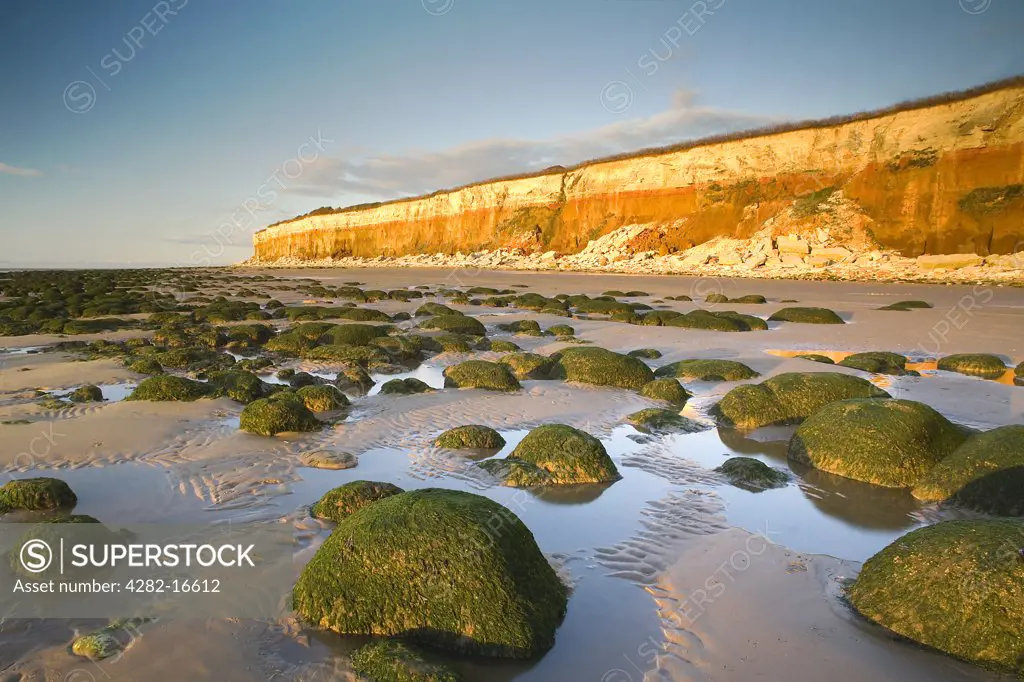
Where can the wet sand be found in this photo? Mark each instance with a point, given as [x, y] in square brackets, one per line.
[636, 552]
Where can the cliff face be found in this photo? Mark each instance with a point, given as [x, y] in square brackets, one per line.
[947, 178]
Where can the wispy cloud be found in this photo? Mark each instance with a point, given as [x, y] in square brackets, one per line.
[419, 172]
[15, 170]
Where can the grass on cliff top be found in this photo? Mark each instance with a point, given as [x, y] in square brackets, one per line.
[775, 129]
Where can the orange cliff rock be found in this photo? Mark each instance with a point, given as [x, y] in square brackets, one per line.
[935, 177]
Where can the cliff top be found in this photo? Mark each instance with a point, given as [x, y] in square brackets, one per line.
[909, 105]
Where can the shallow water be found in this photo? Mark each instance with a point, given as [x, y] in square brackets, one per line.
[431, 375]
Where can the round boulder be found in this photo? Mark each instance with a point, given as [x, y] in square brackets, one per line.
[974, 364]
[806, 316]
[470, 436]
[790, 397]
[666, 389]
[280, 413]
[707, 370]
[491, 376]
[554, 454]
[451, 569]
[956, 586]
[600, 367]
[891, 443]
[347, 499]
[752, 474]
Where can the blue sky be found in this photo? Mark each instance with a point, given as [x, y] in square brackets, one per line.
[167, 132]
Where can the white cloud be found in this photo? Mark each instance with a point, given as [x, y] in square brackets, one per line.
[15, 170]
[418, 172]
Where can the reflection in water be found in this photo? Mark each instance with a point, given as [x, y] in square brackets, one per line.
[571, 494]
[428, 374]
[861, 504]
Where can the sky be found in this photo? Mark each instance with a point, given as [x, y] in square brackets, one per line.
[138, 133]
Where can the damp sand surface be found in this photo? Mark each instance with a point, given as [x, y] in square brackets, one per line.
[636, 552]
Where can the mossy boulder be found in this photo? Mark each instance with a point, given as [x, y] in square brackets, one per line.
[146, 366]
[956, 586]
[877, 362]
[36, 494]
[749, 299]
[344, 500]
[504, 347]
[450, 569]
[715, 320]
[282, 412]
[242, 387]
[887, 442]
[600, 367]
[491, 376]
[985, 460]
[646, 353]
[752, 474]
[666, 389]
[166, 387]
[353, 378]
[974, 364]
[86, 394]
[322, 398]
[528, 365]
[455, 324]
[657, 420]
[554, 454]
[806, 316]
[470, 436]
[816, 357]
[906, 305]
[353, 334]
[407, 386]
[789, 398]
[1018, 374]
[716, 298]
[389, 660]
[602, 307]
[658, 318]
[521, 327]
[435, 309]
[707, 370]
[344, 353]
[561, 330]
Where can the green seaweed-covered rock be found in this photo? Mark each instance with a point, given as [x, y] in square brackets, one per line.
[646, 353]
[987, 463]
[956, 586]
[561, 330]
[491, 376]
[242, 387]
[529, 327]
[86, 394]
[816, 357]
[389, 660]
[36, 494]
[328, 459]
[1018, 374]
[504, 347]
[806, 316]
[707, 370]
[166, 387]
[655, 419]
[527, 365]
[749, 299]
[282, 412]
[752, 474]
[146, 366]
[96, 645]
[447, 568]
[906, 305]
[600, 367]
[877, 362]
[470, 436]
[322, 398]
[554, 454]
[353, 334]
[887, 442]
[789, 398]
[406, 386]
[352, 378]
[666, 389]
[455, 324]
[974, 364]
[718, 320]
[347, 499]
